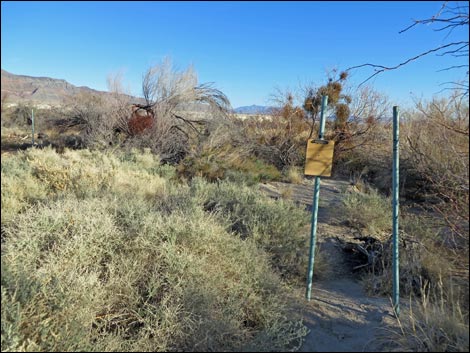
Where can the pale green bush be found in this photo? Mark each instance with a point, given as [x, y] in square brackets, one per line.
[369, 212]
[277, 226]
[116, 260]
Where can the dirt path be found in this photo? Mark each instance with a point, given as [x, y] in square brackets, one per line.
[341, 317]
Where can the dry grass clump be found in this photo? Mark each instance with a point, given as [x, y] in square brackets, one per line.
[123, 267]
[294, 175]
[432, 326]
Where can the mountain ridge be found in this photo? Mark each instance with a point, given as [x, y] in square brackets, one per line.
[254, 109]
[41, 89]
[50, 91]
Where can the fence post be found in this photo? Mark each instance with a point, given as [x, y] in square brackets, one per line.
[316, 195]
[32, 127]
[395, 207]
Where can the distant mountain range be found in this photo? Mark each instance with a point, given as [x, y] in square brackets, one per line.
[53, 92]
[254, 109]
[39, 90]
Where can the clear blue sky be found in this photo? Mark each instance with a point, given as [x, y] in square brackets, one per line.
[246, 48]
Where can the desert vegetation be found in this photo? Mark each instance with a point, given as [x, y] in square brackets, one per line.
[108, 251]
[434, 221]
[139, 226]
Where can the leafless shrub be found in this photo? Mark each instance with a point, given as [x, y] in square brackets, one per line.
[367, 108]
[437, 140]
[118, 103]
[172, 96]
[98, 117]
[166, 123]
[168, 90]
[280, 139]
[21, 114]
[94, 116]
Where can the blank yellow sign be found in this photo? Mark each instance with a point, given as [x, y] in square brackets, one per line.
[319, 158]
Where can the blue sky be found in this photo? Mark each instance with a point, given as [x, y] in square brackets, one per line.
[246, 48]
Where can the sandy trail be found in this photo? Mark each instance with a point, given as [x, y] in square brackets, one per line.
[341, 317]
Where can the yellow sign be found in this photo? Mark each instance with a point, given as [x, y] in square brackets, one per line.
[319, 158]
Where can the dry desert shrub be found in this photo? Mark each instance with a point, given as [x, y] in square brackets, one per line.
[128, 259]
[431, 326]
[166, 127]
[276, 226]
[437, 140]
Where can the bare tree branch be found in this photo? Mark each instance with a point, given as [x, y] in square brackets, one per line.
[453, 67]
[381, 68]
[451, 17]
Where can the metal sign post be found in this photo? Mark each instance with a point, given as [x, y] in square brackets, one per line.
[32, 127]
[316, 195]
[395, 206]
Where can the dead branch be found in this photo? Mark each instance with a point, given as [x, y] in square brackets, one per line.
[450, 18]
[380, 68]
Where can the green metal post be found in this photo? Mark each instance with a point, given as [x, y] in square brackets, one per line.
[316, 195]
[32, 126]
[395, 206]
